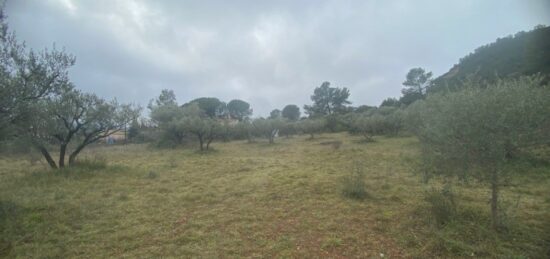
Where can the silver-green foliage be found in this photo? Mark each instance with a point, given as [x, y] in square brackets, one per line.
[27, 76]
[382, 121]
[476, 131]
[268, 128]
[73, 120]
[312, 126]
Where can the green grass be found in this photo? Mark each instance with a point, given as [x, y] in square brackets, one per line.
[259, 200]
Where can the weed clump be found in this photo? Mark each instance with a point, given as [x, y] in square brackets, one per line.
[442, 205]
[354, 184]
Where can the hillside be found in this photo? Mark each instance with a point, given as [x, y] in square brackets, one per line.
[524, 53]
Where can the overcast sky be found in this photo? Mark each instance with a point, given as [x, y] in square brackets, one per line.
[269, 53]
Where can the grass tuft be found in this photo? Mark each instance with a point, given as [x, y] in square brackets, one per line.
[354, 184]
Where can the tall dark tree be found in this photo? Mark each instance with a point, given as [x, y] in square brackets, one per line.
[415, 85]
[166, 97]
[274, 114]
[291, 112]
[327, 100]
[212, 106]
[239, 109]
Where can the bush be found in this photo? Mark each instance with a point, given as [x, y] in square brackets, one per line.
[382, 121]
[312, 126]
[268, 128]
[354, 184]
[442, 205]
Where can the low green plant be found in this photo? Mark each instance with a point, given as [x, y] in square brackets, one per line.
[354, 184]
[442, 204]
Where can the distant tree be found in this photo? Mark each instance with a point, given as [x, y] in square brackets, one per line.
[275, 114]
[246, 128]
[364, 108]
[415, 86]
[366, 125]
[393, 102]
[288, 128]
[26, 76]
[198, 123]
[312, 126]
[269, 128]
[239, 109]
[327, 100]
[478, 131]
[167, 116]
[211, 106]
[166, 97]
[291, 112]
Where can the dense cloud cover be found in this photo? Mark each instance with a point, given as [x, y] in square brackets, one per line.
[269, 53]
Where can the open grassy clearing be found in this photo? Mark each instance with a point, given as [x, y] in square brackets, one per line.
[259, 200]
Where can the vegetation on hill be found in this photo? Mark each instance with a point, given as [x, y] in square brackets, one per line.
[525, 53]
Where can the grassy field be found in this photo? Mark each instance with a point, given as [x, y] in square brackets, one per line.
[260, 200]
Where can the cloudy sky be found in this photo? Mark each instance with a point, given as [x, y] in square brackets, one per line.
[269, 53]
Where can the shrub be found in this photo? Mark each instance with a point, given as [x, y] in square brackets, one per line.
[268, 128]
[382, 121]
[354, 184]
[312, 126]
[442, 205]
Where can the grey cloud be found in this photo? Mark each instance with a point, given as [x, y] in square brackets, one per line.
[270, 53]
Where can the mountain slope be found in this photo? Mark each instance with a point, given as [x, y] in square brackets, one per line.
[525, 53]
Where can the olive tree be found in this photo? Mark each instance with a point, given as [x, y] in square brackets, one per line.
[168, 119]
[288, 128]
[269, 128]
[477, 131]
[245, 129]
[75, 118]
[312, 126]
[26, 76]
[366, 125]
[198, 123]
